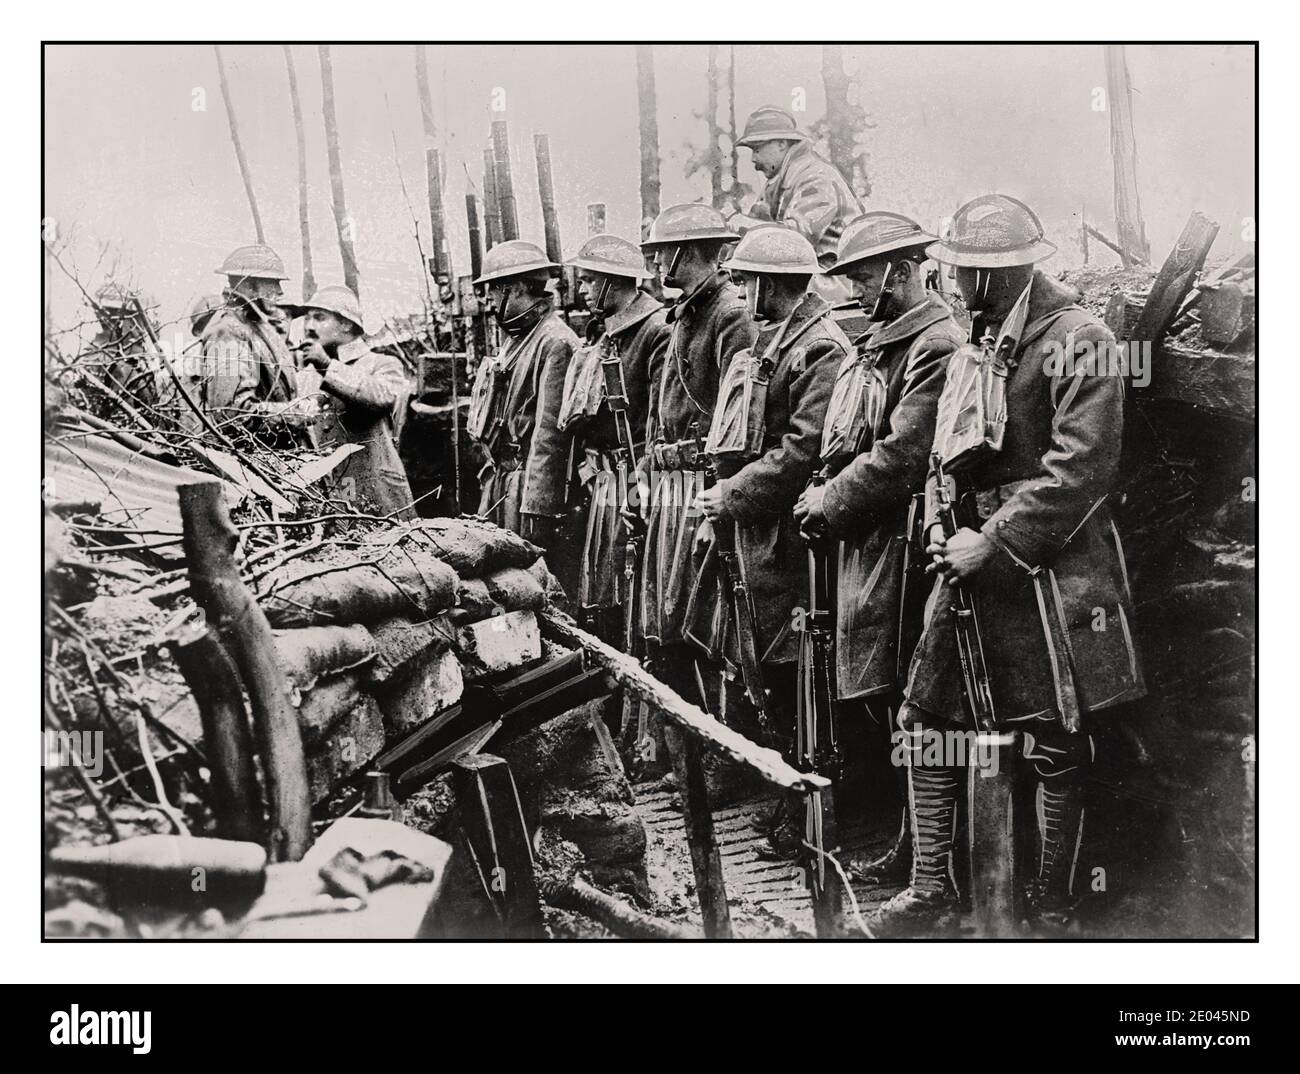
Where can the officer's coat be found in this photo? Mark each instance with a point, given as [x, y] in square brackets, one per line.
[810, 195]
[359, 395]
[1043, 501]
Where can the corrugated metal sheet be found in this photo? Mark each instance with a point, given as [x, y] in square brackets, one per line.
[133, 490]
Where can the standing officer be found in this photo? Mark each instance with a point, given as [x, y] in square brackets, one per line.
[1029, 429]
[875, 454]
[606, 402]
[360, 395]
[803, 190]
[763, 444]
[708, 325]
[516, 396]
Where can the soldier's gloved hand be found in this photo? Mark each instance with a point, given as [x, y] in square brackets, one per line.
[961, 556]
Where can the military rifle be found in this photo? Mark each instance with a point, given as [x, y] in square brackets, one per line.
[970, 643]
[817, 731]
[743, 617]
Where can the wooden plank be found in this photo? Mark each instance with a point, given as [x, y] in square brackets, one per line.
[688, 762]
[691, 720]
[1222, 383]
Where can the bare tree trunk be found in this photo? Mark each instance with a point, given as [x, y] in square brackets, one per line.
[341, 220]
[304, 226]
[715, 132]
[209, 540]
[839, 130]
[732, 133]
[441, 254]
[1129, 228]
[648, 114]
[239, 148]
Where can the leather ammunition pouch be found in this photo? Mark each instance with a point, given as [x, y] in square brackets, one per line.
[680, 455]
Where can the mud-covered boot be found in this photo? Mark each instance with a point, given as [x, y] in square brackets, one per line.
[929, 903]
[894, 864]
[1049, 898]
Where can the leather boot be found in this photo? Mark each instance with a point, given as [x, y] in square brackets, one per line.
[1058, 802]
[930, 901]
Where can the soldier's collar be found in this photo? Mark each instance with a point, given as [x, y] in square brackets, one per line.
[352, 350]
[705, 290]
[925, 313]
[636, 311]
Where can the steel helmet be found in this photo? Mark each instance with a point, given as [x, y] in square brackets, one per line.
[692, 222]
[770, 124]
[612, 256]
[875, 234]
[254, 262]
[202, 310]
[993, 231]
[338, 300]
[774, 249]
[514, 258]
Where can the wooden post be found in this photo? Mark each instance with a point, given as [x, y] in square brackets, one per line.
[550, 220]
[596, 218]
[1175, 279]
[239, 148]
[648, 122]
[992, 833]
[1129, 229]
[492, 822]
[546, 188]
[706, 856]
[214, 681]
[475, 239]
[440, 257]
[304, 225]
[341, 219]
[209, 540]
[491, 206]
[505, 183]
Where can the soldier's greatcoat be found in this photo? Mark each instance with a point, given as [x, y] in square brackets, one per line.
[1054, 604]
[707, 327]
[526, 455]
[759, 496]
[867, 502]
[245, 365]
[638, 335]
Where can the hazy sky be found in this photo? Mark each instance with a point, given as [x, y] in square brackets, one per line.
[133, 169]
